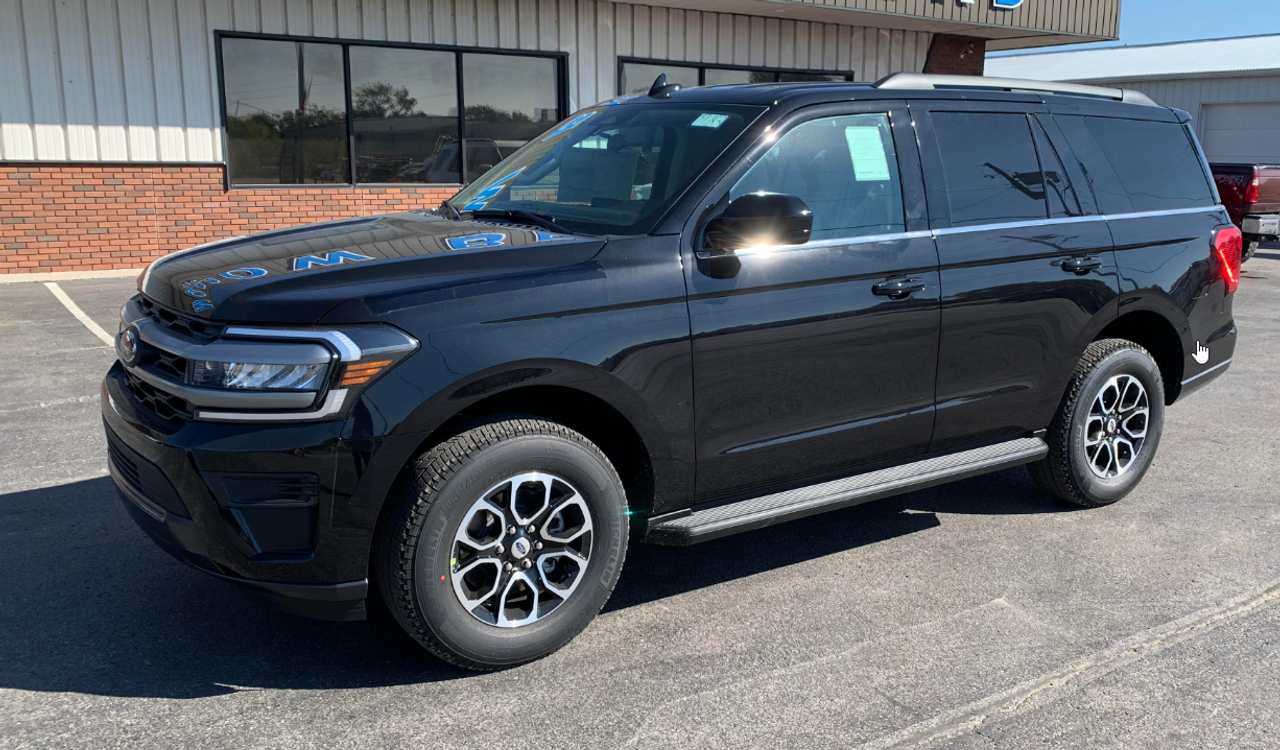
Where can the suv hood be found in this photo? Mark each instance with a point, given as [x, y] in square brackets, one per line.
[295, 275]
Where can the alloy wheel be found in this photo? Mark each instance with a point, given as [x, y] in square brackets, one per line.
[521, 549]
[1116, 428]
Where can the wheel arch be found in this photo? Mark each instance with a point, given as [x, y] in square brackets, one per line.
[1154, 332]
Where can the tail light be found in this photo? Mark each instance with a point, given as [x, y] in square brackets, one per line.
[1227, 243]
[1251, 192]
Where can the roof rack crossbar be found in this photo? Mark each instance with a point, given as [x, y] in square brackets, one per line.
[926, 81]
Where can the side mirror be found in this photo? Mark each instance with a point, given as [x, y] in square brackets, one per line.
[759, 219]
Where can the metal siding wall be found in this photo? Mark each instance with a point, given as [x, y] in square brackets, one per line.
[136, 80]
[1192, 93]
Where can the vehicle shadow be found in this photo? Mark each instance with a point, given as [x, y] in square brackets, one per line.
[92, 606]
[653, 572]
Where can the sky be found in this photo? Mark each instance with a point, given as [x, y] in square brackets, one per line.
[1154, 21]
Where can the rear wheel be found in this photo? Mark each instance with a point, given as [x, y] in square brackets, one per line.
[507, 540]
[1107, 428]
[1250, 247]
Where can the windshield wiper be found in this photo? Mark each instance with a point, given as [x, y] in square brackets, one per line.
[457, 215]
[517, 215]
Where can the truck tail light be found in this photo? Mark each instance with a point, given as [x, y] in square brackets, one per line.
[1251, 192]
[1227, 244]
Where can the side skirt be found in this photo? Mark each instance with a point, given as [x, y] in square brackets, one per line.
[700, 524]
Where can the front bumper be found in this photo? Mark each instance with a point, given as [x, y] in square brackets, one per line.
[284, 511]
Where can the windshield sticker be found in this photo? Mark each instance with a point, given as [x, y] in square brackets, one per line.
[484, 196]
[866, 148]
[335, 258]
[571, 124]
[709, 120]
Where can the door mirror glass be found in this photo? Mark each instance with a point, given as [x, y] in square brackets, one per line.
[759, 219]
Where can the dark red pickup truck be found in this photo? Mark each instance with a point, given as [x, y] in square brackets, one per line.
[1251, 194]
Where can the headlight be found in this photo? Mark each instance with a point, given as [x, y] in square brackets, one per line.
[245, 376]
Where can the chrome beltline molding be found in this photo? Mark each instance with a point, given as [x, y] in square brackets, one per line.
[943, 231]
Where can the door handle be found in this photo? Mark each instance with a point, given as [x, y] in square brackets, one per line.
[1081, 265]
[898, 288]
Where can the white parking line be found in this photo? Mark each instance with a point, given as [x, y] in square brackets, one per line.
[75, 310]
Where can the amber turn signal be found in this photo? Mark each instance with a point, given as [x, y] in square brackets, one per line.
[362, 372]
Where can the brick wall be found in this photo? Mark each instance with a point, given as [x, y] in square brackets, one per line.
[79, 217]
[953, 54]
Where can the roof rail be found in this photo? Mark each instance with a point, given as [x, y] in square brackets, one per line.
[924, 81]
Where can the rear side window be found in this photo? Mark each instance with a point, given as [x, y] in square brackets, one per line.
[844, 168]
[1155, 162]
[990, 167]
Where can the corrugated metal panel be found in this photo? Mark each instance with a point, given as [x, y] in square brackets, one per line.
[1192, 94]
[1092, 17]
[135, 80]
[1185, 59]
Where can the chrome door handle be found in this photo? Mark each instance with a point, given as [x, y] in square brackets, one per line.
[898, 288]
[1081, 265]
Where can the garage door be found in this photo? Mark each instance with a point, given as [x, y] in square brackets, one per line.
[1241, 133]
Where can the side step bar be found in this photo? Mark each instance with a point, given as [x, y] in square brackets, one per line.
[705, 523]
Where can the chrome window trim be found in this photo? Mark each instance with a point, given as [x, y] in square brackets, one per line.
[347, 349]
[943, 231]
[332, 405]
[866, 239]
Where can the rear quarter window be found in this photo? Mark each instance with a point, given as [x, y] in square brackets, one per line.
[1155, 163]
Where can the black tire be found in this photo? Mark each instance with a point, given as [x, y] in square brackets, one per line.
[1066, 472]
[414, 549]
[1250, 247]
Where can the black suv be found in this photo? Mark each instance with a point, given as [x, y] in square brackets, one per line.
[682, 315]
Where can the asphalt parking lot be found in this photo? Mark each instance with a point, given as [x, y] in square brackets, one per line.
[979, 614]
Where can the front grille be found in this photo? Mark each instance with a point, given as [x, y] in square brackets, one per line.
[164, 404]
[172, 365]
[185, 325]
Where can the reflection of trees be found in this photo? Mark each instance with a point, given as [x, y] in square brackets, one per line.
[379, 100]
[760, 76]
[289, 146]
[488, 113]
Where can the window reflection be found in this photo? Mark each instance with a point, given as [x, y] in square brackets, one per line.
[638, 78]
[286, 112]
[509, 100]
[404, 105]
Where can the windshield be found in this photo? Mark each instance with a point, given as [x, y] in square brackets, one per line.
[609, 169]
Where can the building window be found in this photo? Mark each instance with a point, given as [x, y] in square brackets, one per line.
[635, 76]
[301, 112]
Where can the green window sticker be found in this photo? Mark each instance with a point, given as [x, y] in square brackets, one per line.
[708, 120]
[866, 148]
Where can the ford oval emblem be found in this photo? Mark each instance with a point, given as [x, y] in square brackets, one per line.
[129, 346]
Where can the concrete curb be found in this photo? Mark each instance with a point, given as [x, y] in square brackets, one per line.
[14, 278]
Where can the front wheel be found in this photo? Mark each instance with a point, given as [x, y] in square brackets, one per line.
[506, 541]
[1107, 428]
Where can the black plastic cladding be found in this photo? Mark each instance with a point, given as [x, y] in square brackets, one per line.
[802, 373]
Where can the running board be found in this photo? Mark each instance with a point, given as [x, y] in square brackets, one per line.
[702, 524]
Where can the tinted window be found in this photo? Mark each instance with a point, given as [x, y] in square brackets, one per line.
[610, 169]
[844, 168]
[1057, 186]
[405, 108]
[1102, 178]
[1155, 162]
[510, 100]
[288, 105]
[286, 112]
[638, 78]
[990, 167]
